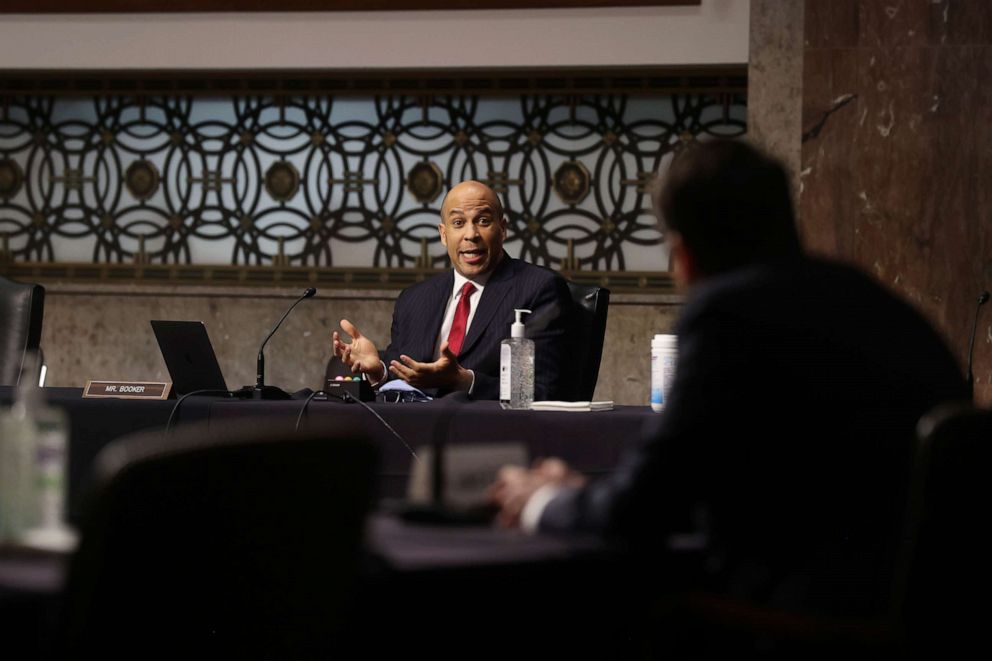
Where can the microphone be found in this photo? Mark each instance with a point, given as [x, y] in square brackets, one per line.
[983, 298]
[436, 512]
[260, 390]
[450, 404]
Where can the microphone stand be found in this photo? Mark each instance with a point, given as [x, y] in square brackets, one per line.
[436, 512]
[442, 430]
[260, 390]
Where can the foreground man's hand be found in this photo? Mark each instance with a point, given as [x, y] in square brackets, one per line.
[515, 485]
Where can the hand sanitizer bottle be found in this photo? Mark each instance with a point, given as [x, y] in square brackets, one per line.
[18, 444]
[33, 448]
[18, 451]
[516, 367]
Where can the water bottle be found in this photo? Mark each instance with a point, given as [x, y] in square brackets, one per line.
[664, 350]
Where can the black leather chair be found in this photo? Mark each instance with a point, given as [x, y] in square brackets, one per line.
[950, 566]
[941, 578]
[240, 541]
[22, 309]
[585, 337]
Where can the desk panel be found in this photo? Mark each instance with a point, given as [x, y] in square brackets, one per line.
[592, 442]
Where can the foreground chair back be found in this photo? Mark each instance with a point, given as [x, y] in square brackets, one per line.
[950, 575]
[230, 541]
[22, 309]
[941, 578]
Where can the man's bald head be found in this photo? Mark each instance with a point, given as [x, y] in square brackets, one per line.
[476, 187]
[472, 228]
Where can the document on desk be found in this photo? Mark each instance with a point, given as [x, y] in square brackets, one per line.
[572, 406]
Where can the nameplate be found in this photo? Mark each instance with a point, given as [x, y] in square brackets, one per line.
[127, 389]
[469, 471]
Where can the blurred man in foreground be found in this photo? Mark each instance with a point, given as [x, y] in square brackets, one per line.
[788, 432]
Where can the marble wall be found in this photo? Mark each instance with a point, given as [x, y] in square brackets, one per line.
[897, 143]
[774, 79]
[103, 333]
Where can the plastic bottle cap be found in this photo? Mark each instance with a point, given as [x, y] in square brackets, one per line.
[664, 342]
[517, 329]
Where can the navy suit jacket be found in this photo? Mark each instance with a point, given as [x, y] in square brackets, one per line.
[787, 436]
[515, 284]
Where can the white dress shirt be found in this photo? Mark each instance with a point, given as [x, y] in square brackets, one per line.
[530, 516]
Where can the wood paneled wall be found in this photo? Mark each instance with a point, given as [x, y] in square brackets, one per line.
[897, 118]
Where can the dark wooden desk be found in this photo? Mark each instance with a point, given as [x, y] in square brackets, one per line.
[592, 442]
[423, 587]
[420, 582]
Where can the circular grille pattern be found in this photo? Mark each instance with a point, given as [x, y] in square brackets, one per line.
[11, 178]
[141, 179]
[348, 181]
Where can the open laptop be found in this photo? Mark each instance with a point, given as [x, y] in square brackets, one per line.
[189, 356]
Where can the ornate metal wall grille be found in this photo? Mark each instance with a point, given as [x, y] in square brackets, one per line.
[338, 181]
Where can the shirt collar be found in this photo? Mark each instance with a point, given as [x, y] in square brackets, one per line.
[479, 281]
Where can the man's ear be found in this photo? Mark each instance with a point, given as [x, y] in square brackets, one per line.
[682, 262]
[444, 237]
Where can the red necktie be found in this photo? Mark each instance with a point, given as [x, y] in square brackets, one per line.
[457, 334]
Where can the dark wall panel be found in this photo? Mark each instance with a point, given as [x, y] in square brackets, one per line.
[894, 175]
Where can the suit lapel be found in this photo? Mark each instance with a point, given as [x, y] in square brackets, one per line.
[499, 285]
[437, 303]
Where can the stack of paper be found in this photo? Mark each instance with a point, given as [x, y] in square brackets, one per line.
[572, 406]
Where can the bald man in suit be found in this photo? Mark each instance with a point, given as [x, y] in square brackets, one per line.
[446, 330]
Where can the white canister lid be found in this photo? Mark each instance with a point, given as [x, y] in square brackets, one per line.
[665, 342]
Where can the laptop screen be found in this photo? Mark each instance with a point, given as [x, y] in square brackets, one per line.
[189, 356]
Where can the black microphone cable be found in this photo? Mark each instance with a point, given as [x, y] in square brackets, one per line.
[303, 409]
[179, 402]
[348, 397]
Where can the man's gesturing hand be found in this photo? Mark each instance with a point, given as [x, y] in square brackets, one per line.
[361, 355]
[445, 372]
